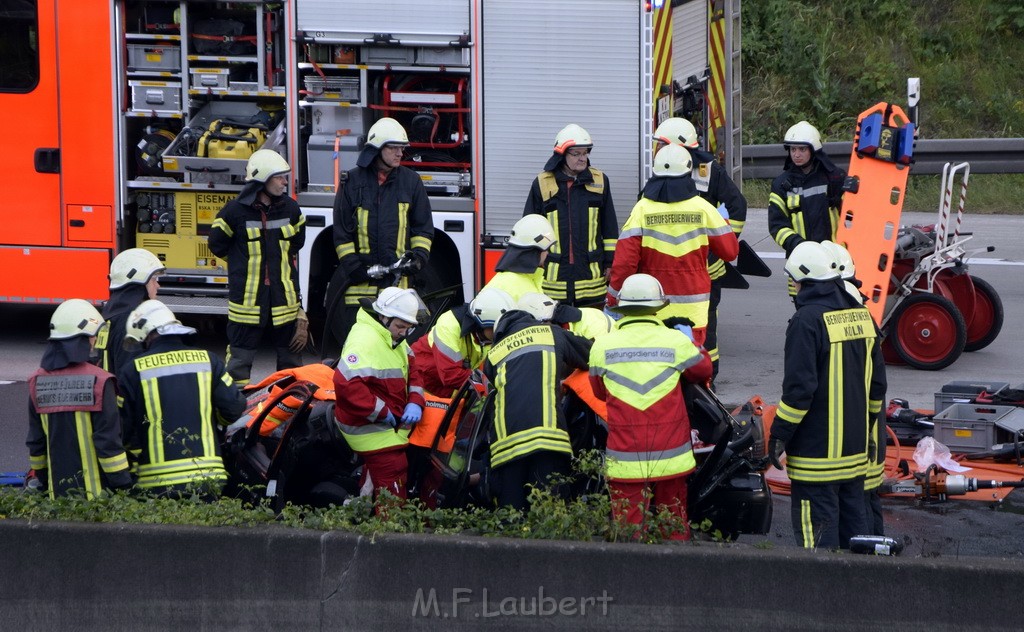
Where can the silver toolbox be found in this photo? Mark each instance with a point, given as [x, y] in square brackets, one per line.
[448, 56]
[179, 157]
[332, 87]
[328, 119]
[387, 55]
[154, 57]
[155, 96]
[320, 156]
[209, 77]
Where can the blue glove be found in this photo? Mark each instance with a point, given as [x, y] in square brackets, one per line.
[612, 314]
[412, 415]
[390, 420]
[724, 212]
[686, 329]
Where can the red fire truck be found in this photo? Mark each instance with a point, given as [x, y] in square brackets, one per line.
[129, 122]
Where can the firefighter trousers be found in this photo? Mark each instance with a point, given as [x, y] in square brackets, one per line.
[425, 480]
[874, 522]
[711, 333]
[512, 481]
[243, 340]
[826, 516]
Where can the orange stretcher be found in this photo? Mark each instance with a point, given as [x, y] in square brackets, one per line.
[873, 198]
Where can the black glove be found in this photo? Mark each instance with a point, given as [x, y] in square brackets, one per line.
[775, 449]
[119, 480]
[415, 263]
[358, 275]
[677, 320]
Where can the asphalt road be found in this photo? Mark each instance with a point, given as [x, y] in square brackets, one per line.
[752, 329]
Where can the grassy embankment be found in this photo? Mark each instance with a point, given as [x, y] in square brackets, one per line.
[827, 62]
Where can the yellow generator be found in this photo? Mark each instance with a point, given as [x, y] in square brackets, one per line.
[174, 226]
[226, 139]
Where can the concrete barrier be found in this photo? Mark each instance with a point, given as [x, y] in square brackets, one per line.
[84, 576]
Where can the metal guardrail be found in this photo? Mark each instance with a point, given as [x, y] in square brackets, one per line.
[986, 155]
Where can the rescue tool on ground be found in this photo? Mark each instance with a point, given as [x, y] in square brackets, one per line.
[936, 485]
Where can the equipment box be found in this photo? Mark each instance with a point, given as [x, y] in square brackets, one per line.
[154, 57]
[969, 428]
[186, 153]
[155, 96]
[320, 157]
[333, 88]
[210, 77]
[449, 56]
[964, 393]
[387, 55]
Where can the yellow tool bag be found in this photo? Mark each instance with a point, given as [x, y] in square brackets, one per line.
[228, 139]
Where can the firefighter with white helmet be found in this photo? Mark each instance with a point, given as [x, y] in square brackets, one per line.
[526, 365]
[379, 396]
[457, 342]
[814, 263]
[638, 369]
[576, 199]
[448, 356]
[676, 131]
[805, 199]
[669, 234]
[74, 432]
[521, 267]
[585, 322]
[540, 306]
[175, 397]
[847, 271]
[134, 277]
[716, 186]
[832, 393]
[381, 212]
[260, 234]
[875, 474]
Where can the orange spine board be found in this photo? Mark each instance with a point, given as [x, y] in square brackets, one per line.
[870, 217]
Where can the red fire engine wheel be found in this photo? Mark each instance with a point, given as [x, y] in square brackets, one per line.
[987, 320]
[927, 331]
[889, 352]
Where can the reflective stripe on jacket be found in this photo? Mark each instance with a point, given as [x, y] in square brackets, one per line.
[582, 213]
[715, 186]
[445, 358]
[260, 244]
[804, 205]
[372, 380]
[375, 224]
[526, 365]
[515, 284]
[173, 396]
[74, 428]
[671, 242]
[833, 386]
[637, 370]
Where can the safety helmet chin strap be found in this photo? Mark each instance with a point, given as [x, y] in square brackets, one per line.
[478, 335]
[386, 321]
